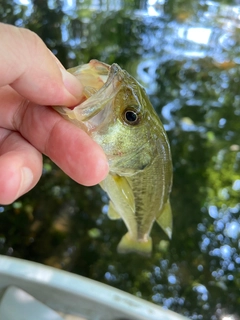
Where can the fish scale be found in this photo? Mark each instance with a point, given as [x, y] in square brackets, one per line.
[145, 201]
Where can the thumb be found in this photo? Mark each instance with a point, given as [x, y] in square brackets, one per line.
[33, 71]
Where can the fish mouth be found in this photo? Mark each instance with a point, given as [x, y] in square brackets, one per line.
[96, 104]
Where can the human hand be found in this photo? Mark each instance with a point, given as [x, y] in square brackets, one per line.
[32, 79]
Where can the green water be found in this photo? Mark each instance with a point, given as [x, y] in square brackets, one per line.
[187, 55]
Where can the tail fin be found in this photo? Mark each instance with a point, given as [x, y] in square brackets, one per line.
[128, 244]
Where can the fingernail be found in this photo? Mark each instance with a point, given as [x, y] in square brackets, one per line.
[71, 83]
[26, 181]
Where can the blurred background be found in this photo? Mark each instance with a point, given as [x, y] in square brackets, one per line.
[186, 53]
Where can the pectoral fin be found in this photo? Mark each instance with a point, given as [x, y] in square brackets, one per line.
[125, 189]
[116, 185]
[165, 219]
[112, 213]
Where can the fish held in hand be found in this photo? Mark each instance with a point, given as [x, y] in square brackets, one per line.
[118, 115]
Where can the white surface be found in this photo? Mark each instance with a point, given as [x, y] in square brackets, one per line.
[72, 294]
[16, 304]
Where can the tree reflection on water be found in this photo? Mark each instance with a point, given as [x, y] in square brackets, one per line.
[186, 54]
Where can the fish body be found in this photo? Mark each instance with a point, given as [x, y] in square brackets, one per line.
[118, 115]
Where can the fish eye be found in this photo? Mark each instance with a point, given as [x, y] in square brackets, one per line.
[131, 116]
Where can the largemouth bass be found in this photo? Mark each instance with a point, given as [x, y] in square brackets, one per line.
[118, 115]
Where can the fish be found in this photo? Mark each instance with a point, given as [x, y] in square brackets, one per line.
[116, 112]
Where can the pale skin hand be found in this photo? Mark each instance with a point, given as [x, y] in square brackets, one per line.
[31, 80]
